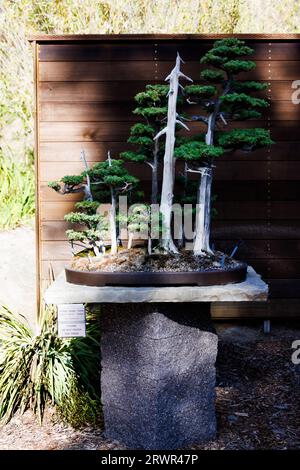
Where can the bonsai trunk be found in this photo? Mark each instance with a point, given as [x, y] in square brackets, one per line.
[130, 240]
[96, 250]
[203, 214]
[112, 223]
[154, 189]
[169, 161]
[86, 187]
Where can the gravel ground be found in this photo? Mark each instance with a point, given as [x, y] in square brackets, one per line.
[258, 403]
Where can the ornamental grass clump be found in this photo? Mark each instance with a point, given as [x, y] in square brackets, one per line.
[16, 192]
[36, 369]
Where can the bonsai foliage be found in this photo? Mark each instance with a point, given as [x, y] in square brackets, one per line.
[152, 108]
[112, 176]
[94, 227]
[222, 98]
[105, 181]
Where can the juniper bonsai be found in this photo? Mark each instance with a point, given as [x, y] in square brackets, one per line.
[95, 227]
[111, 175]
[223, 98]
[105, 179]
[152, 107]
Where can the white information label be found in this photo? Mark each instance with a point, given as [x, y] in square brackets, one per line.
[71, 320]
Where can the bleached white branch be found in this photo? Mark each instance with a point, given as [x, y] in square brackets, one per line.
[149, 164]
[160, 133]
[223, 119]
[182, 124]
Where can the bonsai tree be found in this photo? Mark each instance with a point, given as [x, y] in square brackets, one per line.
[152, 108]
[169, 130]
[94, 227]
[112, 176]
[222, 99]
[105, 180]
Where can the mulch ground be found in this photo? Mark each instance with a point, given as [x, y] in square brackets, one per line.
[258, 404]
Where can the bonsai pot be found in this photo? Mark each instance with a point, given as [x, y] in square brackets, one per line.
[207, 277]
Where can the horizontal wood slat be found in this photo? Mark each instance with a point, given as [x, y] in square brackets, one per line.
[153, 70]
[102, 92]
[191, 50]
[165, 51]
[120, 91]
[94, 111]
[279, 308]
[70, 151]
[108, 91]
[119, 131]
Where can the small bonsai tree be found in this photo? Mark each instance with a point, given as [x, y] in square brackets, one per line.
[105, 180]
[112, 176]
[95, 227]
[223, 98]
[152, 107]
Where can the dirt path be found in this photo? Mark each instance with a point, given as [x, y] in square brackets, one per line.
[257, 400]
[17, 271]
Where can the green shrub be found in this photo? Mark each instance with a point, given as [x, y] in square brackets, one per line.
[37, 369]
[79, 408]
[16, 192]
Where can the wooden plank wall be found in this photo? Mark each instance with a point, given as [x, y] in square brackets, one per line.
[85, 96]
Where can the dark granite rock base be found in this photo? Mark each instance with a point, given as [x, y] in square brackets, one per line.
[158, 374]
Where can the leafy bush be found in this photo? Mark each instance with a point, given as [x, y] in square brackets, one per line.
[16, 192]
[80, 408]
[35, 369]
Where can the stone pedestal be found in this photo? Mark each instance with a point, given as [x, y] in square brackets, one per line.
[158, 374]
[158, 357]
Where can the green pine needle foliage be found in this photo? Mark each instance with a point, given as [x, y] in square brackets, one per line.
[54, 185]
[141, 140]
[247, 139]
[153, 94]
[213, 76]
[249, 86]
[91, 220]
[151, 112]
[241, 99]
[131, 156]
[88, 207]
[142, 129]
[85, 235]
[73, 180]
[238, 66]
[202, 91]
[196, 150]
[111, 174]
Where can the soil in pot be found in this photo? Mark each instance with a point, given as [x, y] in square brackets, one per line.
[138, 260]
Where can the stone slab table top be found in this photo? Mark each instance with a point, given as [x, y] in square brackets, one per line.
[252, 289]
